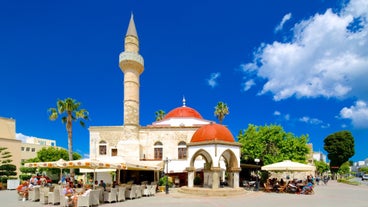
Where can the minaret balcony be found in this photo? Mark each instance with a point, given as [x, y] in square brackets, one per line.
[131, 56]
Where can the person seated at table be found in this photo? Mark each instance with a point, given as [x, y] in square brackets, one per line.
[276, 185]
[68, 192]
[71, 184]
[43, 181]
[31, 186]
[102, 184]
[307, 188]
[95, 184]
[86, 192]
[33, 180]
[282, 182]
[22, 190]
[114, 184]
[80, 183]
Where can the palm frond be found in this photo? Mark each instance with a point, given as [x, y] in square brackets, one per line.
[53, 114]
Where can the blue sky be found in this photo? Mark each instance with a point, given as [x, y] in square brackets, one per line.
[300, 64]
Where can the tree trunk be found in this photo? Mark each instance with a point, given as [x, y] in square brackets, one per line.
[70, 139]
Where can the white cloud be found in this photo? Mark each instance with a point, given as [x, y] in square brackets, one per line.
[283, 116]
[287, 117]
[304, 119]
[212, 81]
[309, 120]
[23, 137]
[249, 84]
[314, 121]
[357, 113]
[284, 19]
[324, 59]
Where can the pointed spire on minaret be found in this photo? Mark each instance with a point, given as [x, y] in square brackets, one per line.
[132, 65]
[183, 101]
[132, 31]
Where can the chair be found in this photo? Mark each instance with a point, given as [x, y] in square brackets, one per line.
[267, 188]
[34, 194]
[94, 196]
[138, 191]
[153, 190]
[84, 200]
[110, 196]
[147, 190]
[282, 188]
[64, 201]
[121, 194]
[44, 194]
[100, 194]
[54, 196]
[130, 193]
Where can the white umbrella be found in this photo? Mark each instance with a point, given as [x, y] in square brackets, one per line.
[288, 165]
[83, 163]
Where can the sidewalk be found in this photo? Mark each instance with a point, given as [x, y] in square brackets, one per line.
[334, 194]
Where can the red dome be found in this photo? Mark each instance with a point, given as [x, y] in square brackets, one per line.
[183, 112]
[212, 132]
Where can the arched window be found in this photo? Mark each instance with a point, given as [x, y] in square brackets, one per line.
[102, 147]
[158, 151]
[182, 150]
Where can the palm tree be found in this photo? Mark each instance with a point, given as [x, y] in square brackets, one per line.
[221, 110]
[70, 111]
[160, 114]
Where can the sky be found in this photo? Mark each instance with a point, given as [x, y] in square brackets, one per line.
[299, 64]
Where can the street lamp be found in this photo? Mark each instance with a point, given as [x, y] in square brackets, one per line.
[167, 176]
[257, 182]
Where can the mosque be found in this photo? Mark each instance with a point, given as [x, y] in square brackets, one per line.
[183, 144]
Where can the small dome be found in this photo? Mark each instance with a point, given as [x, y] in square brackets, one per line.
[183, 112]
[212, 132]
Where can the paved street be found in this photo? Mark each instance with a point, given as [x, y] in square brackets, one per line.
[334, 194]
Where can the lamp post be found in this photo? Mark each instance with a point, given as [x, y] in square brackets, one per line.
[257, 182]
[167, 176]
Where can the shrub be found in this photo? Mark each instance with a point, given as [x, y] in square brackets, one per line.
[162, 181]
[24, 177]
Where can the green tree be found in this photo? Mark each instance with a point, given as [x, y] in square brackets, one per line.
[160, 114]
[321, 167]
[221, 110]
[344, 169]
[70, 111]
[364, 170]
[6, 168]
[340, 148]
[47, 154]
[272, 144]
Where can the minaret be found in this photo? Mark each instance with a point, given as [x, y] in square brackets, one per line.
[131, 63]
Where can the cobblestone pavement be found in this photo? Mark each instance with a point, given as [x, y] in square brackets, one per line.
[334, 194]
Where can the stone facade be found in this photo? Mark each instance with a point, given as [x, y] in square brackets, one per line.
[8, 140]
[139, 146]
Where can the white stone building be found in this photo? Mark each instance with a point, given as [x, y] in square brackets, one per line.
[189, 144]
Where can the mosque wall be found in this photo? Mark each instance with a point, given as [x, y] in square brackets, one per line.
[169, 137]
